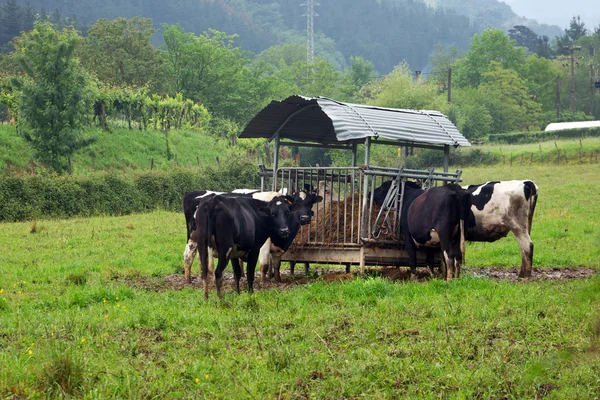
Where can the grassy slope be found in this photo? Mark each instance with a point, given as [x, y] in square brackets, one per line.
[136, 147]
[68, 311]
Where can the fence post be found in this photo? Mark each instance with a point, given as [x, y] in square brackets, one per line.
[70, 166]
[152, 164]
[531, 159]
[557, 151]
[32, 165]
[503, 159]
[511, 159]
[541, 155]
[8, 164]
[493, 156]
[566, 159]
[580, 151]
[521, 159]
[123, 163]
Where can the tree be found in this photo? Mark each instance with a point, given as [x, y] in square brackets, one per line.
[512, 107]
[209, 69]
[56, 93]
[119, 52]
[443, 59]
[360, 73]
[576, 31]
[524, 37]
[398, 90]
[491, 45]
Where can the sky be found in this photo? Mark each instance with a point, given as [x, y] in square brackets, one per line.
[558, 12]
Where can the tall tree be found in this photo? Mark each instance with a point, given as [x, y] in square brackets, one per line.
[10, 23]
[56, 93]
[209, 69]
[119, 52]
[491, 45]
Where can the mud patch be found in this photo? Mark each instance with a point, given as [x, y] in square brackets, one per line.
[538, 274]
[337, 274]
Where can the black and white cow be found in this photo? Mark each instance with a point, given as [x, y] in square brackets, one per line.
[238, 227]
[192, 200]
[501, 207]
[434, 218]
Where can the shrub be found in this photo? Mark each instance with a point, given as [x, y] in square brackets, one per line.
[26, 197]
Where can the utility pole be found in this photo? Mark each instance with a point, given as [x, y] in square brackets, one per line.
[557, 97]
[592, 88]
[310, 29]
[449, 85]
[572, 51]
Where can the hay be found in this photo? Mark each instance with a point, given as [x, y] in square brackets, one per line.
[331, 225]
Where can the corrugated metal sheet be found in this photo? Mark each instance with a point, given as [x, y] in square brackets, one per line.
[327, 121]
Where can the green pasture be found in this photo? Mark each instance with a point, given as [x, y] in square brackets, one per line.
[86, 312]
[112, 149]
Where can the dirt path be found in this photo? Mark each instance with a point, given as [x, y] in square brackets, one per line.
[334, 273]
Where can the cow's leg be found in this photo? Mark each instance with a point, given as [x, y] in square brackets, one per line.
[292, 266]
[250, 267]
[204, 254]
[237, 273]
[526, 245]
[263, 260]
[276, 265]
[429, 257]
[221, 265]
[188, 258]
[458, 259]
[306, 267]
[411, 250]
[449, 259]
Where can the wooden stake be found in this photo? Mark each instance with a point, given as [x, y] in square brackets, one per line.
[152, 164]
[521, 159]
[198, 161]
[531, 159]
[32, 165]
[8, 165]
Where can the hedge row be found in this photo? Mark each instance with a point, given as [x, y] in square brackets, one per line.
[534, 137]
[28, 197]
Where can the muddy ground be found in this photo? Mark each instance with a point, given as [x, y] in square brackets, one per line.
[335, 273]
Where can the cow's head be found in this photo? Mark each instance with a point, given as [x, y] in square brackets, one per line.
[280, 216]
[302, 206]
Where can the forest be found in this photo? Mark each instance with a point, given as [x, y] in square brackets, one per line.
[60, 75]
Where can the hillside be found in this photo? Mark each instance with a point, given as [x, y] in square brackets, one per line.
[135, 148]
[385, 32]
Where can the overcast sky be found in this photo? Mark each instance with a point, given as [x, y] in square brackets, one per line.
[558, 12]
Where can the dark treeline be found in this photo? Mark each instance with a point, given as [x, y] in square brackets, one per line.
[385, 32]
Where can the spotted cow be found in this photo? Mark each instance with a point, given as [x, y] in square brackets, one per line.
[501, 207]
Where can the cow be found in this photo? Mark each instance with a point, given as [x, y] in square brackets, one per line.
[192, 200]
[500, 207]
[272, 250]
[434, 218]
[240, 226]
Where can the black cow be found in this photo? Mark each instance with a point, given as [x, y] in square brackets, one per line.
[434, 218]
[240, 226]
[502, 207]
[192, 200]
[272, 250]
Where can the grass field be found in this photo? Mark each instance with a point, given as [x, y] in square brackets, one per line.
[136, 148]
[85, 312]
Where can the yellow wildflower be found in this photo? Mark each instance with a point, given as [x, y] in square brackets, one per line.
[197, 380]
[30, 352]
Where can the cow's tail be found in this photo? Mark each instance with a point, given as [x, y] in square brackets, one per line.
[531, 194]
[464, 199]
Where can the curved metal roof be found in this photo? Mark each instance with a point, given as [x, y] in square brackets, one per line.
[325, 121]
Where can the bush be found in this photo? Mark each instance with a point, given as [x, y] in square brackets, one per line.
[26, 197]
[534, 137]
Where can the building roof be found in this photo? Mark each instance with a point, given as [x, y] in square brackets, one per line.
[557, 126]
[325, 121]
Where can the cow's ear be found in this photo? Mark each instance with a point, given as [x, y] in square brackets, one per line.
[289, 199]
[317, 199]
